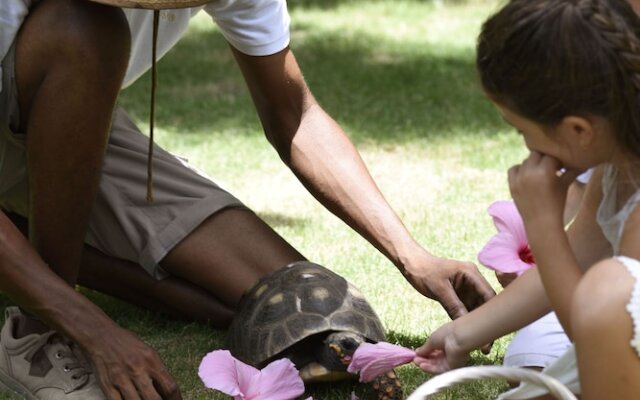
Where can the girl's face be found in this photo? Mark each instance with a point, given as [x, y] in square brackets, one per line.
[576, 142]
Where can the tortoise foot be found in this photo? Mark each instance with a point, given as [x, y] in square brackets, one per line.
[388, 387]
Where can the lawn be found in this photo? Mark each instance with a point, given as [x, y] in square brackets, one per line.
[398, 75]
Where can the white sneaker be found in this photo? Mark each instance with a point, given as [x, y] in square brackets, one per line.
[43, 366]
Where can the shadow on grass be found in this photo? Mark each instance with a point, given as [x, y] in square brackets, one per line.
[149, 324]
[376, 94]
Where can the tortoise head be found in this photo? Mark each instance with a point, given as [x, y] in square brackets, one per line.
[338, 348]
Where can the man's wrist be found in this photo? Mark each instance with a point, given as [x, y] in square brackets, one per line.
[412, 255]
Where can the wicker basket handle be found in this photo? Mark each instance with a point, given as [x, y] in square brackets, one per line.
[450, 378]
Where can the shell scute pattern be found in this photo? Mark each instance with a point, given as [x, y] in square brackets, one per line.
[302, 326]
[320, 298]
[295, 303]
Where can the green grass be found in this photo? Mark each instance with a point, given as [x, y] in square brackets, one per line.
[399, 76]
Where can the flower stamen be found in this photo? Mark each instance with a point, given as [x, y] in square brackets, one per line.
[526, 255]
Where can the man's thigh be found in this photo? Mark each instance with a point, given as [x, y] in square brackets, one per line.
[124, 224]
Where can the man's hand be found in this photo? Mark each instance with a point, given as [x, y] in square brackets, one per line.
[505, 278]
[457, 285]
[128, 369]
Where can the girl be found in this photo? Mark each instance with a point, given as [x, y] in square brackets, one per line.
[566, 75]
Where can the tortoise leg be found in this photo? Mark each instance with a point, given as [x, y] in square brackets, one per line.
[387, 387]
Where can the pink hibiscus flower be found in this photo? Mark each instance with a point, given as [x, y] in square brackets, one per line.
[279, 380]
[373, 360]
[508, 251]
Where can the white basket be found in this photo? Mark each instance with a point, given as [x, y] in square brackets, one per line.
[450, 378]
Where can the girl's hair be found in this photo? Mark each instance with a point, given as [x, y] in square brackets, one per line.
[547, 59]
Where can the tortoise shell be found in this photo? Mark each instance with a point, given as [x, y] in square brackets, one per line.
[294, 303]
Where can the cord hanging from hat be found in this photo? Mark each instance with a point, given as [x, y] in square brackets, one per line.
[154, 80]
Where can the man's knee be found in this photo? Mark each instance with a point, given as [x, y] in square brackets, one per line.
[79, 33]
[81, 25]
[98, 31]
[71, 44]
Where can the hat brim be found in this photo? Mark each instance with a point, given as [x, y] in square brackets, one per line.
[154, 4]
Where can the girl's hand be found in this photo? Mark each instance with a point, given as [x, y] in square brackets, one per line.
[539, 188]
[442, 351]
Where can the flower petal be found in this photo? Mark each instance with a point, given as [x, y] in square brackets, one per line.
[373, 360]
[501, 254]
[219, 370]
[507, 219]
[280, 380]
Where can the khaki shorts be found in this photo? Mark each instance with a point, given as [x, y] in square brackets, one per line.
[122, 224]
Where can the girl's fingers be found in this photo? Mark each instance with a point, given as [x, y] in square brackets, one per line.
[570, 175]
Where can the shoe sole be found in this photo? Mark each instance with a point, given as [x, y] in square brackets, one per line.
[13, 388]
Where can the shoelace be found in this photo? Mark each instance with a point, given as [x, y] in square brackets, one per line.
[72, 363]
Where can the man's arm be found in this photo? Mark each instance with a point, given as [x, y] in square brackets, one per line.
[319, 153]
[125, 365]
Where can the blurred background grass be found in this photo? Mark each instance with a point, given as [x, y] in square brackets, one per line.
[399, 76]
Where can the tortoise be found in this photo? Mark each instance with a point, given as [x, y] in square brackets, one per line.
[312, 316]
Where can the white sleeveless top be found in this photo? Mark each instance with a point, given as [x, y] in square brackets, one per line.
[611, 222]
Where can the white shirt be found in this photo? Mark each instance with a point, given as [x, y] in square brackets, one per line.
[12, 14]
[254, 27]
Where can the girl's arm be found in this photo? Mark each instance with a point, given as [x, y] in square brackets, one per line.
[525, 300]
[521, 303]
[563, 257]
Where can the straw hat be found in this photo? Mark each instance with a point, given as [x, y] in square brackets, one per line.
[154, 4]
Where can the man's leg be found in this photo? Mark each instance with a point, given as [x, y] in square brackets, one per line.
[210, 268]
[190, 253]
[71, 56]
[247, 250]
[234, 244]
[54, 75]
